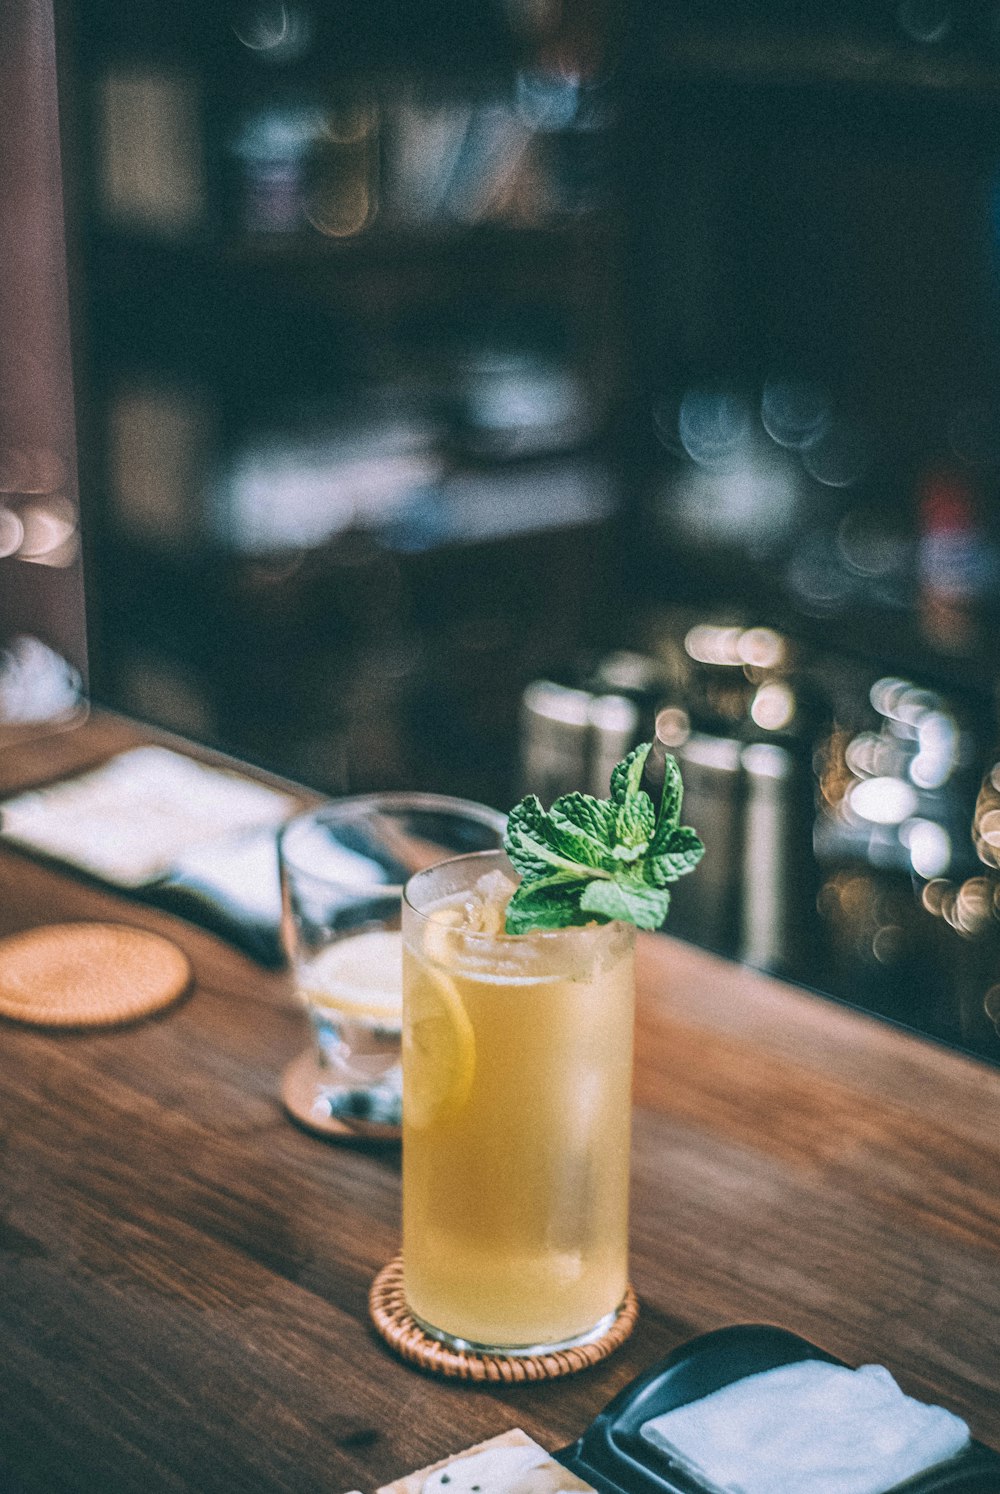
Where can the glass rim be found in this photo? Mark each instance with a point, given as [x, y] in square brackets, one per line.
[575, 930]
[353, 806]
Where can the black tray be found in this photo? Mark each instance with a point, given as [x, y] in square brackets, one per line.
[613, 1456]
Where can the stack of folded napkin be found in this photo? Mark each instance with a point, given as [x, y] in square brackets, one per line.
[807, 1428]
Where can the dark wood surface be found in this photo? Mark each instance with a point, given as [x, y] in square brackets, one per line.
[184, 1274]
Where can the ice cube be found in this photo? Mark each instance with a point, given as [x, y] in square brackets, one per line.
[485, 909]
[495, 887]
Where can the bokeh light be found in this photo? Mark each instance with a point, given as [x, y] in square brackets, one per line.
[341, 210]
[883, 801]
[50, 534]
[872, 551]
[934, 895]
[974, 433]
[889, 943]
[11, 532]
[839, 458]
[546, 100]
[929, 845]
[986, 821]
[973, 909]
[709, 644]
[761, 648]
[795, 414]
[927, 21]
[673, 726]
[991, 1006]
[773, 706]
[276, 32]
[816, 578]
[714, 428]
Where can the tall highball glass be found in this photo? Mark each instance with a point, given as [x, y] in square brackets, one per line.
[517, 1072]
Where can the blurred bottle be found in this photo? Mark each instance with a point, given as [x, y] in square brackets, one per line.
[708, 913]
[772, 844]
[614, 723]
[554, 731]
[647, 681]
[571, 739]
[744, 717]
[739, 712]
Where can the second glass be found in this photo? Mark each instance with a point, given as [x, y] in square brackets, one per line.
[517, 1075]
[343, 867]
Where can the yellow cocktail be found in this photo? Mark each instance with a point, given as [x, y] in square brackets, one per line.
[517, 1069]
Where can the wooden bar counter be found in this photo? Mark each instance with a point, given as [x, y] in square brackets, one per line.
[184, 1274]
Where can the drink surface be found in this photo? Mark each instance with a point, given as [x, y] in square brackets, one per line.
[516, 1111]
[358, 978]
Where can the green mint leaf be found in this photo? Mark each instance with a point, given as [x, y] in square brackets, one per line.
[533, 844]
[628, 855]
[582, 827]
[634, 824]
[668, 816]
[635, 816]
[646, 907]
[682, 850]
[627, 776]
[587, 858]
[556, 881]
[524, 837]
[552, 907]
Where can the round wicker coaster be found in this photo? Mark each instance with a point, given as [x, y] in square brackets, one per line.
[88, 974]
[391, 1317]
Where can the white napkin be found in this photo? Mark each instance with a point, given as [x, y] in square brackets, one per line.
[242, 872]
[807, 1428]
[130, 820]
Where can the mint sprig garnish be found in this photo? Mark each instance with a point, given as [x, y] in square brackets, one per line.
[589, 860]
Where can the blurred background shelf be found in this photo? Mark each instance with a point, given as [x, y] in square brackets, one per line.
[460, 384]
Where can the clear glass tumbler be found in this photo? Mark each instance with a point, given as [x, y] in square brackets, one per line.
[343, 867]
[517, 1076]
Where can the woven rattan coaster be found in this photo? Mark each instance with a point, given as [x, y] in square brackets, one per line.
[392, 1318]
[88, 974]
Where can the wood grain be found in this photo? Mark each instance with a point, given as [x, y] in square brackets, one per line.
[184, 1274]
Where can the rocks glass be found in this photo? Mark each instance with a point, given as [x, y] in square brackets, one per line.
[343, 867]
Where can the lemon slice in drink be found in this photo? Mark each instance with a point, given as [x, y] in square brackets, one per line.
[360, 977]
[439, 1045]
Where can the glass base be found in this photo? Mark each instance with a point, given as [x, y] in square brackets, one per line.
[330, 1105]
[516, 1351]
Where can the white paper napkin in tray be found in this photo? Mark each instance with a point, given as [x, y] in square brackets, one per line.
[139, 815]
[807, 1428]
